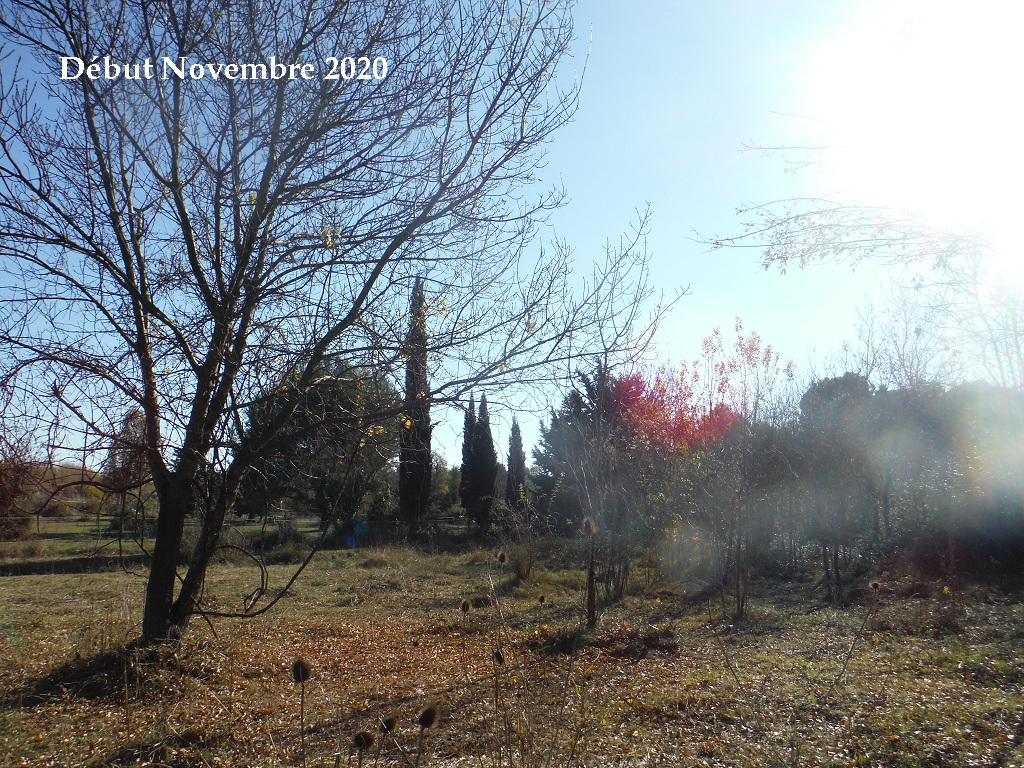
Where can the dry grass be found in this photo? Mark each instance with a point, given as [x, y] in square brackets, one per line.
[932, 680]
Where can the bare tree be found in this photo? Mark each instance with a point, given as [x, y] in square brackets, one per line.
[952, 275]
[803, 231]
[912, 349]
[746, 380]
[125, 472]
[194, 236]
[981, 317]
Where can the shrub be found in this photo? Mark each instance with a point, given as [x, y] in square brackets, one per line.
[14, 476]
[13, 523]
[523, 558]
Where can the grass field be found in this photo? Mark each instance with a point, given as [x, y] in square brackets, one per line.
[911, 674]
[52, 538]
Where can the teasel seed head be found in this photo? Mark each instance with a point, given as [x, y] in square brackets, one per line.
[875, 586]
[502, 557]
[427, 717]
[300, 670]
[466, 606]
[589, 528]
[542, 599]
[387, 725]
[499, 657]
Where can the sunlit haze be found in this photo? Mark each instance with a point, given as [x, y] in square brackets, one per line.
[916, 102]
[920, 104]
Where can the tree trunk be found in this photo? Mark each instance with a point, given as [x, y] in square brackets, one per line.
[591, 589]
[141, 507]
[876, 524]
[740, 591]
[791, 532]
[951, 544]
[191, 586]
[828, 573]
[170, 522]
[886, 506]
[835, 573]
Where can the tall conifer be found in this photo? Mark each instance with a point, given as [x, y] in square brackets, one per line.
[466, 474]
[414, 461]
[515, 480]
[485, 468]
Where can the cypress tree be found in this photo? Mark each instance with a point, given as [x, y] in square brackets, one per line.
[485, 468]
[414, 460]
[515, 480]
[466, 473]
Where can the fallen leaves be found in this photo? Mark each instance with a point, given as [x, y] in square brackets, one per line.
[638, 692]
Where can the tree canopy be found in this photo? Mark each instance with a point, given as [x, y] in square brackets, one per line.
[323, 461]
[515, 478]
[175, 243]
[479, 466]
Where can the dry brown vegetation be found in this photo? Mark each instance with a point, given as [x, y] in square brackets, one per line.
[932, 676]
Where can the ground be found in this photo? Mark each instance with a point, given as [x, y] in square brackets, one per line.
[913, 673]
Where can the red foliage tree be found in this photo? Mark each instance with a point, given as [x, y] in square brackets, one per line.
[662, 411]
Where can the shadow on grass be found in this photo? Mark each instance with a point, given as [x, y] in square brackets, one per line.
[93, 678]
[86, 564]
[110, 676]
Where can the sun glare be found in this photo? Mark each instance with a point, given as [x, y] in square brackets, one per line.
[920, 104]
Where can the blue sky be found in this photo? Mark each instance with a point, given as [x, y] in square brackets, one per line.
[919, 99]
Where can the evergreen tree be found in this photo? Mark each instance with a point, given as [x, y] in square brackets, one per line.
[515, 480]
[485, 468]
[577, 457]
[466, 473]
[479, 466]
[323, 461]
[415, 459]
